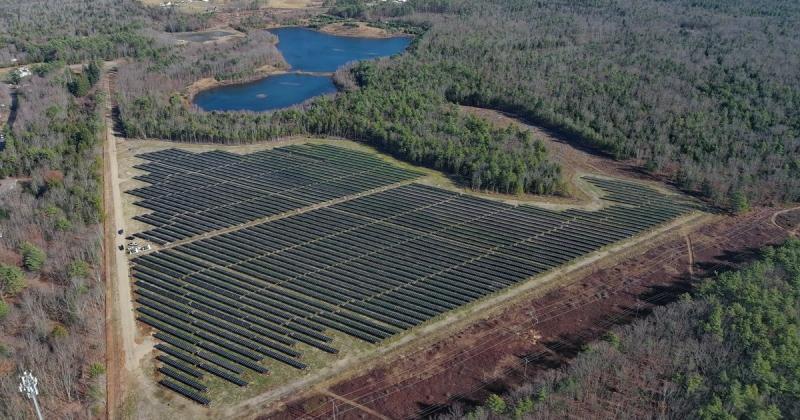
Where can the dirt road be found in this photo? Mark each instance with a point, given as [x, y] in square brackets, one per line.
[792, 222]
[123, 353]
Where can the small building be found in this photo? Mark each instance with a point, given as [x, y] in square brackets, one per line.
[135, 247]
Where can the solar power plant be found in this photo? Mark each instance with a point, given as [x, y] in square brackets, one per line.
[370, 268]
[195, 193]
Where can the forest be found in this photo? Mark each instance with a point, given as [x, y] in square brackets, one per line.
[730, 350]
[77, 31]
[52, 317]
[702, 94]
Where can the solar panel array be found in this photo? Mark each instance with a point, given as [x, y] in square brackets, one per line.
[370, 267]
[195, 193]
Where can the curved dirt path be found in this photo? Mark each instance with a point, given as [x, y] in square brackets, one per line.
[774, 220]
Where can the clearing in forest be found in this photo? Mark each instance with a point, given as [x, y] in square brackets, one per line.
[278, 263]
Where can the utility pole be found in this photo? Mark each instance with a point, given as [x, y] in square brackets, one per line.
[29, 386]
[525, 372]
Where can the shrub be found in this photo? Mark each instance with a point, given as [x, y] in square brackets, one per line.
[96, 369]
[12, 280]
[496, 404]
[59, 331]
[523, 407]
[78, 269]
[63, 224]
[32, 257]
[739, 203]
[612, 339]
[4, 309]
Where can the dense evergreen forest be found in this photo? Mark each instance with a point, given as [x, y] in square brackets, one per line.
[732, 350]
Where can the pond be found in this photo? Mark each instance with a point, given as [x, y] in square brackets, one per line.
[273, 92]
[306, 51]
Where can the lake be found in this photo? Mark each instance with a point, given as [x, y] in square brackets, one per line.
[305, 50]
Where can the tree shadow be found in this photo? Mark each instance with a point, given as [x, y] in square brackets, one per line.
[727, 261]
[431, 411]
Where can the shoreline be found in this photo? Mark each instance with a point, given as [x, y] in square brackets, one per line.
[261, 73]
[334, 29]
[207, 83]
[362, 30]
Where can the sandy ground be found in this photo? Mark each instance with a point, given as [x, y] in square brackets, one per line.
[124, 353]
[294, 4]
[130, 393]
[198, 6]
[361, 30]
[788, 219]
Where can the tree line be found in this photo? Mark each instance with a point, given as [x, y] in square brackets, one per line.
[731, 350]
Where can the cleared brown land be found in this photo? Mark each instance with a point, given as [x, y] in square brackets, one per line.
[360, 30]
[789, 220]
[294, 4]
[490, 355]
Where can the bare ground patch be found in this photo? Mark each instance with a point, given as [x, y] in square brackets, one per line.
[541, 332]
[358, 29]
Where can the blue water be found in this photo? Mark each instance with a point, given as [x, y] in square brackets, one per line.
[305, 50]
[273, 92]
[309, 50]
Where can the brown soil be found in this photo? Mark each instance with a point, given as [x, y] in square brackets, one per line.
[360, 30]
[540, 333]
[789, 220]
[294, 4]
[114, 369]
